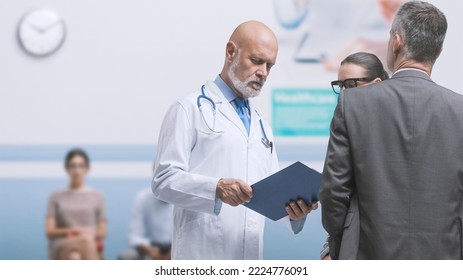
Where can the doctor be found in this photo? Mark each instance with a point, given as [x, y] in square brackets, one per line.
[212, 145]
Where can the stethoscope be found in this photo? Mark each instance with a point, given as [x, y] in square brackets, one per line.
[214, 109]
[267, 143]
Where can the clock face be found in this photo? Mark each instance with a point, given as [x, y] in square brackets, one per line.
[41, 32]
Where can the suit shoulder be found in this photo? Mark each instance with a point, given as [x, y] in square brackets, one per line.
[438, 91]
[450, 93]
[355, 95]
[359, 91]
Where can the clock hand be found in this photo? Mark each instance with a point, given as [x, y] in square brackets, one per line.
[51, 26]
[40, 30]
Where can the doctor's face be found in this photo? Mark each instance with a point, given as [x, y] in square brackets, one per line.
[250, 68]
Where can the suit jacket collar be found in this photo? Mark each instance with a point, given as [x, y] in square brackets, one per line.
[409, 72]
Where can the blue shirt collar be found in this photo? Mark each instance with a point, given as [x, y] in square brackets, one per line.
[229, 94]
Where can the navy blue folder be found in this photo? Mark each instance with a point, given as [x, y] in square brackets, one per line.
[272, 194]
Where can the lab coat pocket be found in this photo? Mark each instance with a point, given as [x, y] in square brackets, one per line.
[209, 128]
[205, 132]
[209, 124]
[207, 140]
[262, 155]
[200, 235]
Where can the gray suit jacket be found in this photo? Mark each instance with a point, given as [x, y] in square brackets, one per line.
[350, 236]
[397, 146]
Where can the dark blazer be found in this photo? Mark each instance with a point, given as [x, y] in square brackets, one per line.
[397, 146]
[350, 236]
[351, 233]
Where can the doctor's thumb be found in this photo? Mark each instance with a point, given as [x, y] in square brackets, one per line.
[246, 188]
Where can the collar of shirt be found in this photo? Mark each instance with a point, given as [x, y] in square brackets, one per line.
[229, 94]
[413, 69]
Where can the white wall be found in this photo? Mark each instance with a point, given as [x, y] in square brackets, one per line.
[448, 68]
[122, 64]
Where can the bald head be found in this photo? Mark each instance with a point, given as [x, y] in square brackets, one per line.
[251, 33]
[250, 54]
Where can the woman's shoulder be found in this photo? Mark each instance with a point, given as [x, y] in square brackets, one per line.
[92, 192]
[58, 193]
[66, 191]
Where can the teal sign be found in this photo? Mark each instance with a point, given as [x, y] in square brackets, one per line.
[302, 112]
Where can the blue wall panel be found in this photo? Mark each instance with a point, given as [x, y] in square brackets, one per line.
[23, 204]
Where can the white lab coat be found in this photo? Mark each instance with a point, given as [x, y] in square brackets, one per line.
[191, 160]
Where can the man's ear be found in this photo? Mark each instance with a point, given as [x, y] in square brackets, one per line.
[398, 44]
[231, 51]
[377, 80]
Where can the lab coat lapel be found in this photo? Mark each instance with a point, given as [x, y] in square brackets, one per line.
[254, 119]
[227, 110]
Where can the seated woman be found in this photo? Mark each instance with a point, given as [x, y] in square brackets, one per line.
[358, 69]
[76, 221]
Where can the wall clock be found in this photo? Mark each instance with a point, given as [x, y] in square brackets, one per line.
[41, 32]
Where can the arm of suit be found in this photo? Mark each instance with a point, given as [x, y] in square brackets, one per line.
[338, 179]
[172, 181]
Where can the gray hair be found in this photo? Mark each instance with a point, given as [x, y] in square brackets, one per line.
[422, 27]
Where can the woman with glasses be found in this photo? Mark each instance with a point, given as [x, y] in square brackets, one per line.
[76, 221]
[358, 69]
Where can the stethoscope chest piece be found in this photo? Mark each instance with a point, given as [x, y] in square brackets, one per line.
[268, 144]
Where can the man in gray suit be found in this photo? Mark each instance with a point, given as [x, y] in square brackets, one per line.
[397, 146]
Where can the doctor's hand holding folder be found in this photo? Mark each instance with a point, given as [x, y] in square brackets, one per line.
[292, 191]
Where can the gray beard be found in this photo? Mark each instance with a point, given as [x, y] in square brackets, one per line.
[242, 87]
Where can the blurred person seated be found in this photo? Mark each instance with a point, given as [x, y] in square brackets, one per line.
[76, 220]
[150, 230]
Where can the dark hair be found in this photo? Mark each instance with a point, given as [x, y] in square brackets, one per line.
[370, 63]
[76, 152]
[422, 27]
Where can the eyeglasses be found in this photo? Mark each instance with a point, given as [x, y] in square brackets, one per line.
[76, 166]
[348, 83]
